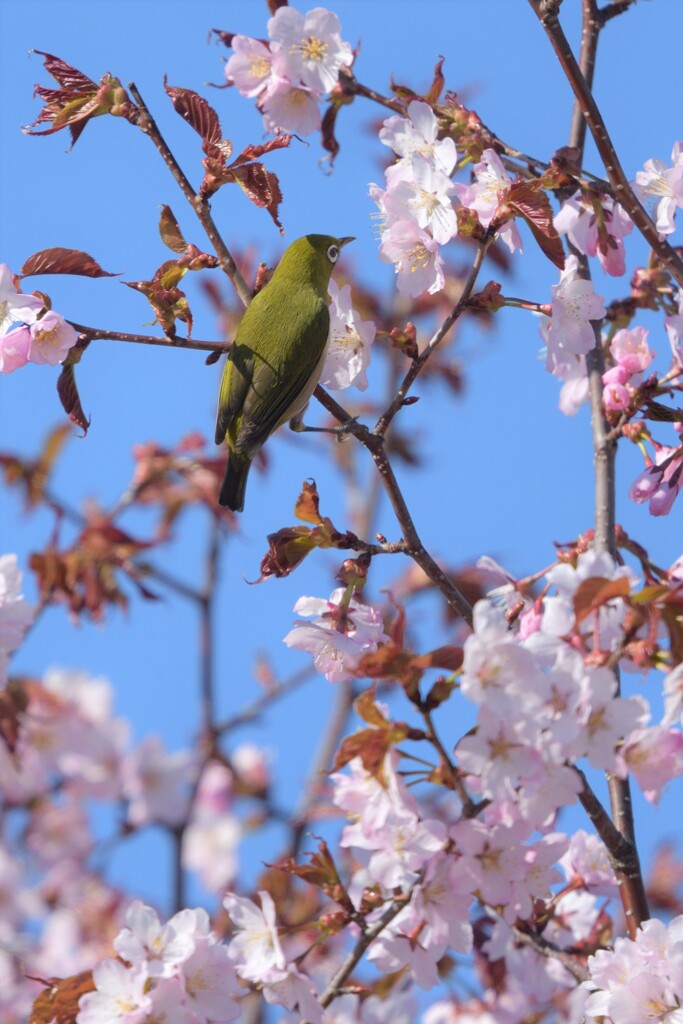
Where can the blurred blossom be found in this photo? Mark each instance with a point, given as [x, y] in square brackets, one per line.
[16, 614]
[157, 784]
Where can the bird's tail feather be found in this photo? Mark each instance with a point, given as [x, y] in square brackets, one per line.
[234, 482]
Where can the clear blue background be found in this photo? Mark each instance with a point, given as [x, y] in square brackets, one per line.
[504, 472]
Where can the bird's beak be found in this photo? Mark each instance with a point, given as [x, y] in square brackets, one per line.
[345, 241]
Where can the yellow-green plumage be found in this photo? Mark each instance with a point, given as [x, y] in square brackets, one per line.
[276, 358]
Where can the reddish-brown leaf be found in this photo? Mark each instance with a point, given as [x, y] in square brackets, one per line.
[366, 707]
[438, 82]
[307, 504]
[198, 113]
[534, 206]
[58, 1002]
[70, 399]
[170, 232]
[596, 591]
[59, 260]
[262, 187]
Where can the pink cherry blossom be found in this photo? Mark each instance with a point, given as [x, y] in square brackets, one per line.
[422, 193]
[660, 482]
[51, 339]
[249, 67]
[339, 635]
[157, 784]
[15, 307]
[674, 328]
[596, 233]
[210, 983]
[14, 348]
[119, 996]
[417, 133]
[349, 344]
[587, 861]
[292, 989]
[160, 949]
[16, 614]
[289, 108]
[662, 188]
[310, 46]
[673, 696]
[630, 349]
[486, 193]
[574, 309]
[255, 947]
[654, 756]
[210, 845]
[415, 255]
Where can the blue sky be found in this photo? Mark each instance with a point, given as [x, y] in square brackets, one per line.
[504, 472]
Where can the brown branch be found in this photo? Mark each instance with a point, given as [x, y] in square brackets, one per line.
[414, 548]
[333, 989]
[200, 206]
[547, 13]
[99, 334]
[387, 416]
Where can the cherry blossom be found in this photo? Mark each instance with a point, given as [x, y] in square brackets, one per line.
[249, 67]
[14, 348]
[310, 45]
[349, 344]
[596, 227]
[15, 307]
[415, 255]
[417, 133]
[421, 192]
[159, 948]
[342, 631]
[51, 339]
[119, 996]
[639, 979]
[586, 861]
[673, 696]
[290, 108]
[486, 194]
[654, 756]
[674, 329]
[210, 983]
[16, 614]
[662, 188]
[157, 784]
[255, 947]
[660, 482]
[574, 309]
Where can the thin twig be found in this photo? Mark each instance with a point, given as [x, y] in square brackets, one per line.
[366, 939]
[97, 334]
[200, 206]
[416, 366]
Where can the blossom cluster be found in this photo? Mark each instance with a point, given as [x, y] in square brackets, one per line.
[30, 333]
[178, 972]
[596, 227]
[638, 980]
[290, 74]
[415, 209]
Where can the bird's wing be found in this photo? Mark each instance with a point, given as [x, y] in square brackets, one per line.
[276, 385]
[235, 383]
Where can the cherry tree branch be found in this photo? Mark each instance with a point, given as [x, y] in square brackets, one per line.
[201, 207]
[99, 334]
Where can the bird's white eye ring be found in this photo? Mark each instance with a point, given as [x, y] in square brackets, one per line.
[333, 253]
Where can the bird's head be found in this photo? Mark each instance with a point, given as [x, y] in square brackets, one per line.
[312, 258]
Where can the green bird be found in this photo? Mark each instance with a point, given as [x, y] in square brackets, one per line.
[276, 358]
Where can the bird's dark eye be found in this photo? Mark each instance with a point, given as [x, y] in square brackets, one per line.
[333, 253]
